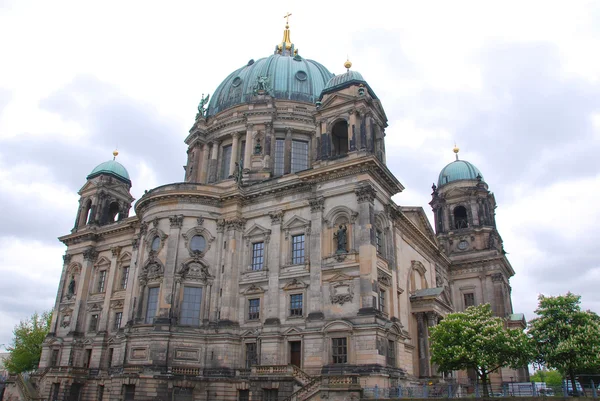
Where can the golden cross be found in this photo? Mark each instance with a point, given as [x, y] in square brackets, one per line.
[287, 18]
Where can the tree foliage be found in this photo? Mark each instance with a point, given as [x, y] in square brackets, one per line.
[552, 378]
[478, 340]
[26, 347]
[565, 337]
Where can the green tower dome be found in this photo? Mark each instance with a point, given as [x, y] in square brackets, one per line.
[112, 168]
[283, 75]
[458, 170]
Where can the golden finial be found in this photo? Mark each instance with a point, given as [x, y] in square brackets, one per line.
[115, 154]
[286, 43]
[456, 150]
[348, 64]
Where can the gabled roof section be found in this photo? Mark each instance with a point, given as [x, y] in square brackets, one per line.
[417, 216]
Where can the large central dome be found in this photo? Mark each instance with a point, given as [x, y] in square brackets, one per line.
[284, 75]
[290, 78]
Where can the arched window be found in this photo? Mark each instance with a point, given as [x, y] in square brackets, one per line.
[460, 217]
[113, 212]
[88, 212]
[339, 137]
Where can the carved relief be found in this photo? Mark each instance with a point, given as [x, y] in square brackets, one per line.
[67, 258]
[384, 279]
[341, 292]
[195, 270]
[365, 193]
[90, 254]
[276, 216]
[316, 204]
[176, 221]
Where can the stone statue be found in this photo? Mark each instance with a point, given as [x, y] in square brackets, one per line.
[237, 174]
[342, 238]
[71, 289]
[257, 147]
[201, 107]
[262, 85]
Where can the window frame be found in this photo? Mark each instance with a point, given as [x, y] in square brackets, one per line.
[248, 362]
[337, 347]
[279, 158]
[253, 311]
[94, 320]
[201, 303]
[254, 265]
[124, 277]
[298, 260]
[118, 320]
[147, 318]
[101, 281]
[225, 163]
[471, 294]
[291, 309]
[390, 358]
[382, 300]
[293, 159]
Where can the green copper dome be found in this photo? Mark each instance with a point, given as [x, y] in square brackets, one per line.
[458, 170]
[111, 167]
[287, 77]
[346, 79]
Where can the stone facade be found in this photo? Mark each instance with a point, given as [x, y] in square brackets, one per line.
[280, 267]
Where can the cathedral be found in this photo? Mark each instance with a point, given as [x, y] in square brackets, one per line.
[280, 268]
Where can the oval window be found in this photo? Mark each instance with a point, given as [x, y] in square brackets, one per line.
[155, 243]
[237, 81]
[301, 76]
[198, 243]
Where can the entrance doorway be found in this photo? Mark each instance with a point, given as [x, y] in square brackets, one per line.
[295, 353]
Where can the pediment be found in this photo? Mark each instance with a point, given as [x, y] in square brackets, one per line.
[257, 230]
[336, 99]
[253, 289]
[418, 217]
[292, 331]
[337, 325]
[338, 277]
[295, 222]
[295, 284]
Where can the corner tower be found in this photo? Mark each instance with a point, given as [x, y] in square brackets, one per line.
[465, 226]
[105, 197]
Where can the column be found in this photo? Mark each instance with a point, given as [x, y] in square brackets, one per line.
[112, 273]
[234, 152]
[248, 150]
[422, 345]
[315, 296]
[131, 302]
[77, 320]
[166, 297]
[204, 169]
[365, 243]
[432, 320]
[215, 300]
[352, 131]
[287, 152]
[197, 157]
[275, 261]
[212, 164]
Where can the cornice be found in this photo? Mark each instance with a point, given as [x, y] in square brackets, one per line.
[99, 233]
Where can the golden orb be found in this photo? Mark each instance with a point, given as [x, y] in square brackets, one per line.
[456, 149]
[348, 64]
[115, 153]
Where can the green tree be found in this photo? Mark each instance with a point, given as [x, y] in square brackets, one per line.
[565, 337]
[552, 378]
[478, 340]
[26, 347]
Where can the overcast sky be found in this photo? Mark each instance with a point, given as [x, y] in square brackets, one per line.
[516, 84]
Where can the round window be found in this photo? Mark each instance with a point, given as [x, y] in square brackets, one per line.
[198, 243]
[155, 243]
[301, 76]
[237, 81]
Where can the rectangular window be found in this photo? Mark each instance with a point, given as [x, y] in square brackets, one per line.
[190, 308]
[225, 160]
[242, 153]
[253, 309]
[88, 358]
[243, 395]
[251, 355]
[299, 156]
[100, 392]
[298, 249]
[118, 318]
[128, 392]
[101, 280]
[55, 391]
[339, 350]
[379, 241]
[296, 305]
[152, 304]
[381, 300]
[111, 352]
[391, 353]
[279, 157]
[258, 255]
[270, 394]
[124, 277]
[54, 358]
[469, 299]
[94, 322]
